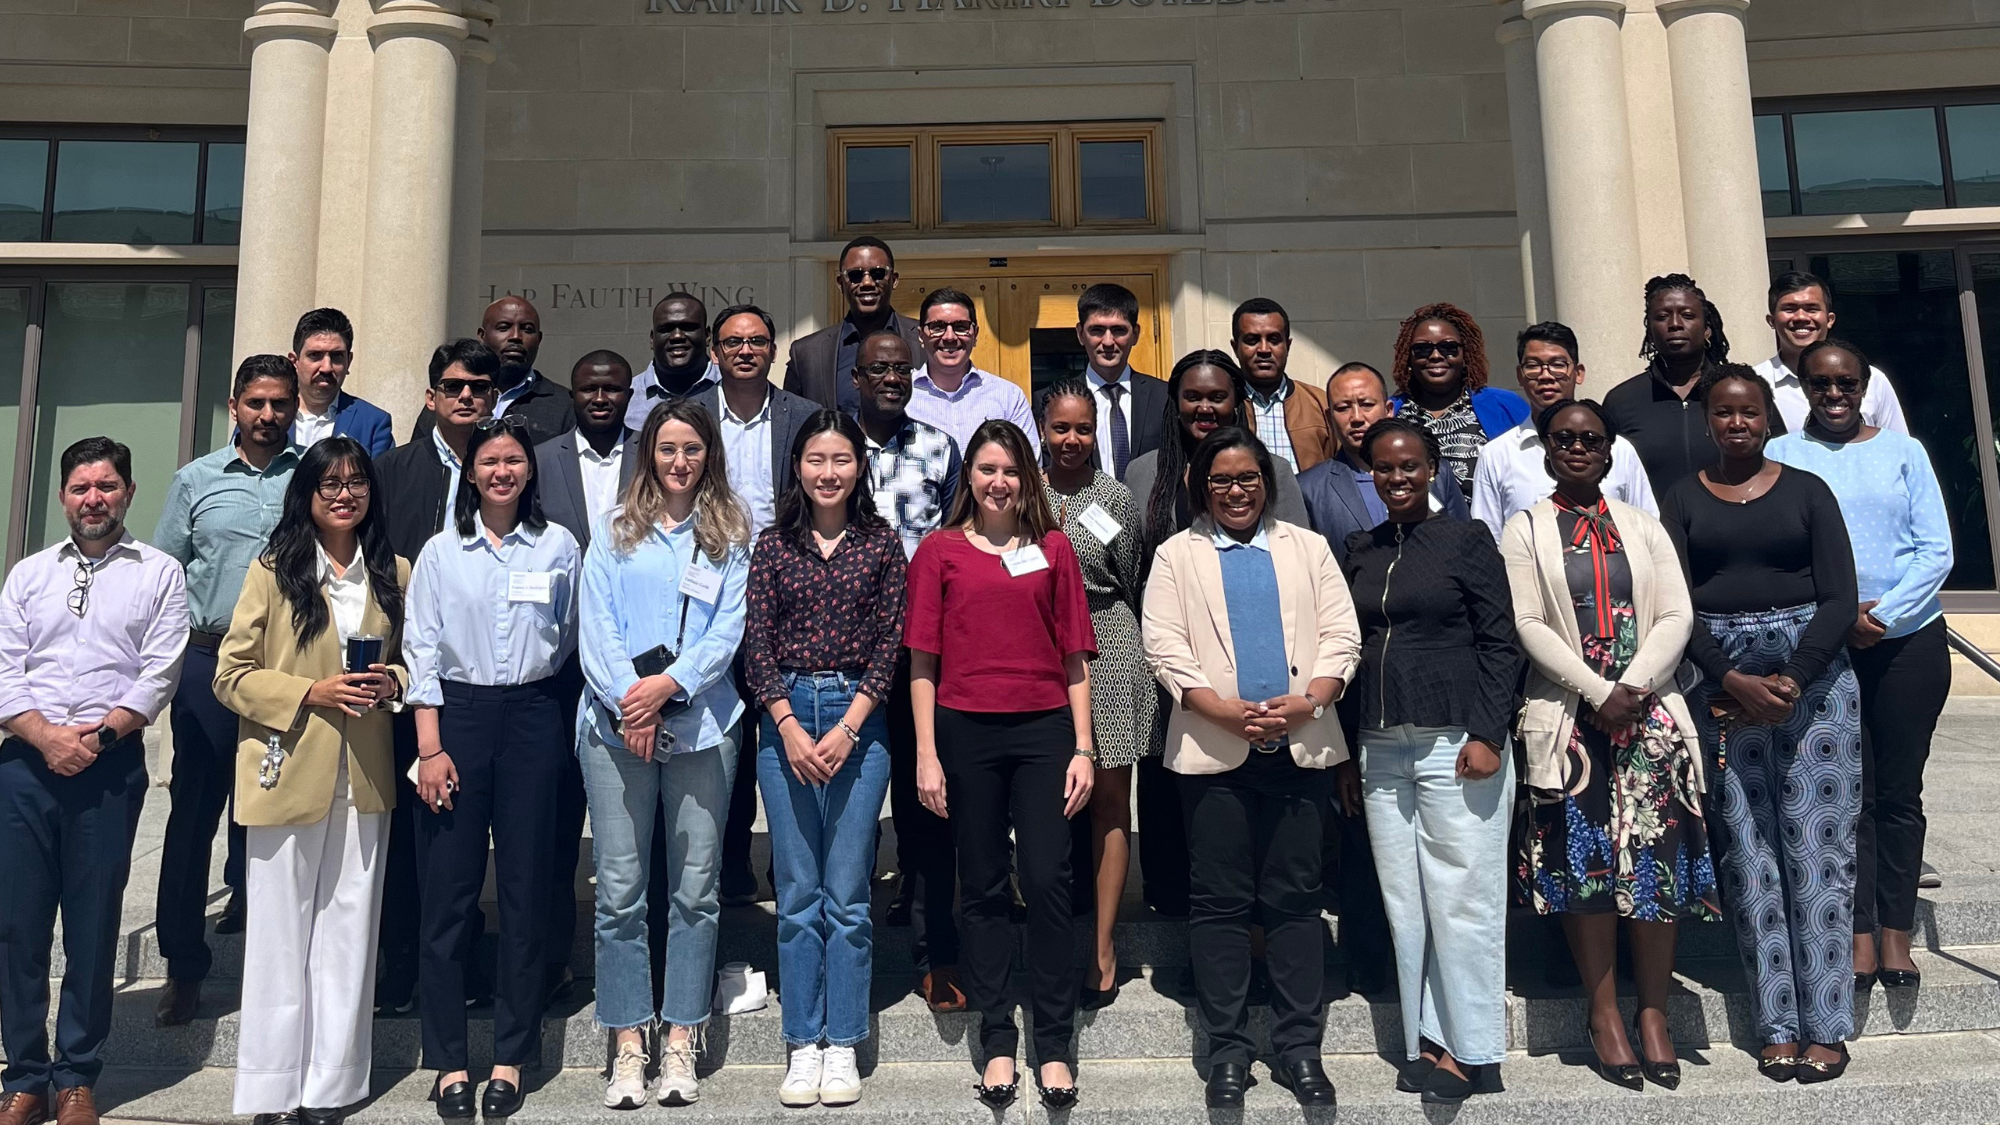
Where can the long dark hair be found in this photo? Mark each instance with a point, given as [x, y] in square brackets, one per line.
[795, 507]
[1031, 502]
[1218, 443]
[1169, 495]
[293, 553]
[465, 508]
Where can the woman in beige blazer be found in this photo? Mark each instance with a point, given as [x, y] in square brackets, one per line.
[1249, 627]
[315, 780]
[1602, 608]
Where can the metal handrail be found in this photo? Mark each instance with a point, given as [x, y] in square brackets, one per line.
[1973, 653]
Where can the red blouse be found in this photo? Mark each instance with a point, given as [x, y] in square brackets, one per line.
[1000, 640]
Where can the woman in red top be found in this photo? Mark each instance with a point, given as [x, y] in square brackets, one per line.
[999, 634]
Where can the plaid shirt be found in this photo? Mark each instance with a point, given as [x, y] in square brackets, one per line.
[914, 476]
[1268, 417]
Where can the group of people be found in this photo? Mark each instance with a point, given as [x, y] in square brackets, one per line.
[1411, 646]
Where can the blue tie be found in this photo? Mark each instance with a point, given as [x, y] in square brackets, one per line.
[1121, 439]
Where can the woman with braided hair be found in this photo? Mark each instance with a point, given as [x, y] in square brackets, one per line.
[1441, 386]
[1660, 412]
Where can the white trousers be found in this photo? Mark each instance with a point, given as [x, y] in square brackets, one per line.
[315, 895]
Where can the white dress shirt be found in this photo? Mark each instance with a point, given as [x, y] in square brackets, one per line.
[346, 592]
[981, 396]
[124, 650]
[748, 444]
[600, 476]
[452, 469]
[481, 614]
[1879, 406]
[1097, 384]
[310, 429]
[1513, 476]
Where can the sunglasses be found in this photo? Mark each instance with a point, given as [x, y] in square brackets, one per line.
[506, 422]
[1820, 384]
[872, 273]
[452, 388]
[1448, 349]
[1588, 442]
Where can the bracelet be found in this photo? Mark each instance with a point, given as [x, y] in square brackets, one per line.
[428, 757]
[793, 716]
[852, 737]
[1081, 752]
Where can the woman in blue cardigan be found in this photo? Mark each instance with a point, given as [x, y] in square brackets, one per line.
[1441, 386]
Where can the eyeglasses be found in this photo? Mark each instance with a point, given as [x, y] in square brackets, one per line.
[940, 327]
[872, 273]
[79, 594]
[693, 451]
[1448, 349]
[1820, 384]
[330, 489]
[738, 343]
[1248, 482]
[507, 422]
[452, 388]
[880, 369]
[1588, 442]
[1556, 367]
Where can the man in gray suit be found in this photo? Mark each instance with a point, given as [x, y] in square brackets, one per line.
[821, 366]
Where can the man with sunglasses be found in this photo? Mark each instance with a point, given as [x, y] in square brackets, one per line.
[91, 635]
[681, 364]
[1513, 473]
[948, 391]
[219, 511]
[512, 329]
[1801, 315]
[820, 364]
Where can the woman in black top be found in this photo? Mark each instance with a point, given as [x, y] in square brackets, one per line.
[1772, 576]
[1438, 688]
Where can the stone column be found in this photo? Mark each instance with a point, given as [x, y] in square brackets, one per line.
[276, 263]
[1718, 155]
[406, 256]
[468, 190]
[1587, 157]
[1656, 165]
[1531, 185]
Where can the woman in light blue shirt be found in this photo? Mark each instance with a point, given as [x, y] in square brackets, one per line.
[663, 612]
[492, 617]
[1895, 514]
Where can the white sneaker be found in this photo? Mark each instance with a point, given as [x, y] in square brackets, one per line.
[839, 1081]
[627, 1089]
[677, 1081]
[802, 1078]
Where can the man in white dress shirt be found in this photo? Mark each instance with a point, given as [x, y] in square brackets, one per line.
[948, 391]
[1513, 473]
[1802, 315]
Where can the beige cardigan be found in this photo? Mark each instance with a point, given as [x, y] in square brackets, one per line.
[1187, 641]
[1546, 620]
[261, 675]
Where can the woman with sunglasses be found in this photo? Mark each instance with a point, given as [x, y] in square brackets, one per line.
[315, 782]
[1890, 498]
[662, 612]
[1441, 385]
[1614, 769]
[492, 619]
[1771, 571]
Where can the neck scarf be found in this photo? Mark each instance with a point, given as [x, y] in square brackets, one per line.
[1595, 530]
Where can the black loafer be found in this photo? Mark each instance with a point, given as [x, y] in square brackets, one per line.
[1900, 978]
[1411, 1078]
[1307, 1081]
[502, 1099]
[1445, 1088]
[289, 1117]
[1226, 1083]
[454, 1102]
[322, 1116]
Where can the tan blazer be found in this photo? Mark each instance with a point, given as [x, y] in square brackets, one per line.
[1546, 621]
[1186, 633]
[262, 676]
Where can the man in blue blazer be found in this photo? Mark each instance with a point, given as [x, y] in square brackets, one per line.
[322, 352]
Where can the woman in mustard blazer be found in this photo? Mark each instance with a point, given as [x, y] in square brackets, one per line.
[315, 780]
[1249, 626]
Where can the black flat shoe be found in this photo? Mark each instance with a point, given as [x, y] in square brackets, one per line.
[322, 1116]
[289, 1117]
[1307, 1081]
[1098, 999]
[1901, 978]
[1863, 982]
[501, 1099]
[1056, 1097]
[1411, 1077]
[1226, 1083]
[1445, 1088]
[1627, 1075]
[1778, 1068]
[1812, 1070]
[454, 1102]
[999, 1095]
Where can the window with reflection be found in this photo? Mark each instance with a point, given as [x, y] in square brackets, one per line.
[222, 196]
[24, 182]
[1974, 136]
[994, 177]
[1774, 178]
[878, 184]
[136, 192]
[1112, 181]
[993, 184]
[1875, 153]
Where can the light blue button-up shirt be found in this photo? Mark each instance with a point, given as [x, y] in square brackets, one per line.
[633, 603]
[217, 518]
[462, 624]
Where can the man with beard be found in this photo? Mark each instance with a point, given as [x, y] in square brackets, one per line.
[218, 514]
[681, 364]
[91, 635]
[323, 353]
[822, 364]
[512, 329]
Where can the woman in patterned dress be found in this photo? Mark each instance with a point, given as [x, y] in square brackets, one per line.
[1441, 385]
[1617, 832]
[1098, 515]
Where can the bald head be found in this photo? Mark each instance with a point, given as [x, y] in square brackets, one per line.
[513, 329]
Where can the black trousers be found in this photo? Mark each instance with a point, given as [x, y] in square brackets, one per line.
[204, 778]
[507, 744]
[1163, 845]
[1904, 683]
[402, 905]
[1254, 836]
[737, 878]
[1005, 772]
[925, 849]
[566, 845]
[66, 843]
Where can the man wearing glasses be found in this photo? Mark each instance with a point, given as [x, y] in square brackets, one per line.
[948, 391]
[1513, 473]
[91, 636]
[820, 364]
[218, 514]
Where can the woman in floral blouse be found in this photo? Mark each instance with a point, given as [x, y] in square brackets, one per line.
[819, 650]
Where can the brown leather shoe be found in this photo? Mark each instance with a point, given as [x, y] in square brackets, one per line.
[940, 990]
[23, 1109]
[76, 1106]
[178, 1001]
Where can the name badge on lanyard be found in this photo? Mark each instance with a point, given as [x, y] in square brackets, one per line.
[528, 586]
[1024, 560]
[701, 583]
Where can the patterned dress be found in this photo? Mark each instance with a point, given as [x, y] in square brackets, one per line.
[1626, 835]
[1459, 432]
[1124, 702]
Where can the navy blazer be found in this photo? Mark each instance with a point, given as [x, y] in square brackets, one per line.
[1333, 502]
[365, 422]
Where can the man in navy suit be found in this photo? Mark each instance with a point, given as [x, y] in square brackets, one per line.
[323, 352]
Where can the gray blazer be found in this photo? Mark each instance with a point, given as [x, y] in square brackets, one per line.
[561, 487]
[789, 414]
[1289, 504]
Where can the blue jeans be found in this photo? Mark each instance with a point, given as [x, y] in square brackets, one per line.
[625, 793]
[823, 849]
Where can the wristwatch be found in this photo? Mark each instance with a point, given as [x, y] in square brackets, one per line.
[106, 739]
[1319, 708]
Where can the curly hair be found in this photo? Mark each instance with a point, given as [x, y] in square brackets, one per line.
[1714, 353]
[1468, 334]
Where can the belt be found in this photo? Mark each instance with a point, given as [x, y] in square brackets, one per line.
[209, 641]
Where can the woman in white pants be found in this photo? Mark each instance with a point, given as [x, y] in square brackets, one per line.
[315, 781]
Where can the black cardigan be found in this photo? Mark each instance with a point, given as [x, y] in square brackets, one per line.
[1437, 636]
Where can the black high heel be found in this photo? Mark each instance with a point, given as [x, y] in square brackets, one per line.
[1666, 1075]
[1097, 999]
[999, 1095]
[1627, 1075]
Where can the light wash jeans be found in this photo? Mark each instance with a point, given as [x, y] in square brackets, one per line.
[823, 851]
[625, 793]
[1441, 851]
